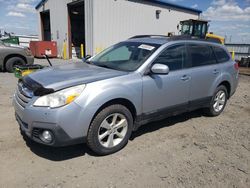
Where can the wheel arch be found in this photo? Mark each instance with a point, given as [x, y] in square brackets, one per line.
[227, 85]
[122, 101]
[10, 56]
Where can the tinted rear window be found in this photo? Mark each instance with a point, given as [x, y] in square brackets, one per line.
[201, 55]
[221, 54]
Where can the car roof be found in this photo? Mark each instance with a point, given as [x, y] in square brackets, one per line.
[160, 39]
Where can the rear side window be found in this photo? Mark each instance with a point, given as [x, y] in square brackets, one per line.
[201, 55]
[221, 54]
[174, 57]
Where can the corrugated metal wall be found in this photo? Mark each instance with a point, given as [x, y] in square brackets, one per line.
[116, 20]
[58, 21]
[89, 27]
[110, 21]
[241, 50]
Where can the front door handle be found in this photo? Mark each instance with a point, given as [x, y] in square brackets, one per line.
[185, 78]
[216, 71]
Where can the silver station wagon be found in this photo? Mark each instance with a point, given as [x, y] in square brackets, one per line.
[144, 79]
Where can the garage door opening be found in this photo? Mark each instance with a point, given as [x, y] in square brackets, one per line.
[76, 28]
[45, 25]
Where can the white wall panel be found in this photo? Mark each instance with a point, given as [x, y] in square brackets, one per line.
[58, 21]
[111, 21]
[116, 20]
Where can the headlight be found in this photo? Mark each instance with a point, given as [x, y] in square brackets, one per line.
[60, 98]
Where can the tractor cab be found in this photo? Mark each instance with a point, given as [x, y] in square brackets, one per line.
[199, 29]
[194, 28]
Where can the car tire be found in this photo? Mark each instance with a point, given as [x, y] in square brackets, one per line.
[11, 62]
[218, 102]
[110, 130]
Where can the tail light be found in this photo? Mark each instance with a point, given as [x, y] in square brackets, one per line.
[236, 65]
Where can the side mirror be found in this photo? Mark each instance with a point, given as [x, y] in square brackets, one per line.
[160, 69]
[86, 58]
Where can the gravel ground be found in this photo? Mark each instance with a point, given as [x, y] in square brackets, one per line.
[188, 150]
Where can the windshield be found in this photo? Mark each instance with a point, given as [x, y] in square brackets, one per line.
[125, 56]
[187, 28]
[197, 29]
[200, 29]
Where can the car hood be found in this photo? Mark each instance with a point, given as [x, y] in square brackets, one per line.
[14, 46]
[60, 77]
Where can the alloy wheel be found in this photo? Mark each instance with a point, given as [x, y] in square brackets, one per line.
[219, 101]
[112, 130]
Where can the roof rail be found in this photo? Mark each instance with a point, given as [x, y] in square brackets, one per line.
[172, 38]
[188, 37]
[147, 36]
[181, 37]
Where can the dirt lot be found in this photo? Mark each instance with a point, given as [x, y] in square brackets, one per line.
[189, 150]
[245, 70]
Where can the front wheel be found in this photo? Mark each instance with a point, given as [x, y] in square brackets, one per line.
[110, 130]
[12, 62]
[218, 102]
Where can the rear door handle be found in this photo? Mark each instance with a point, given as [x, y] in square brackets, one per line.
[185, 78]
[216, 71]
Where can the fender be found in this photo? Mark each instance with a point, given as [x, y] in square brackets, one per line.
[215, 84]
[98, 93]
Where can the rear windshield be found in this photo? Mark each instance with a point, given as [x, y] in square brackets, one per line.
[125, 56]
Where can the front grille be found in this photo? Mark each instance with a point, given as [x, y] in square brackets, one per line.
[23, 95]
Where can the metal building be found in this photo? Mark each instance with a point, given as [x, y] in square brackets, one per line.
[241, 50]
[100, 23]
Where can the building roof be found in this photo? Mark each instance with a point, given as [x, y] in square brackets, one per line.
[40, 4]
[160, 2]
[167, 3]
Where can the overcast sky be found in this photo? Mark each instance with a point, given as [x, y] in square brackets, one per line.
[229, 18]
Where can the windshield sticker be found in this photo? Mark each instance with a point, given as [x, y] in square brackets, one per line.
[146, 47]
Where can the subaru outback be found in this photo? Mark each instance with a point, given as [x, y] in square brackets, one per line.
[102, 101]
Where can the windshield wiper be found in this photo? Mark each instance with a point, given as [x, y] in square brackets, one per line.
[108, 67]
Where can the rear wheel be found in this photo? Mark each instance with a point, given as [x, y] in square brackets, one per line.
[218, 102]
[12, 62]
[110, 130]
